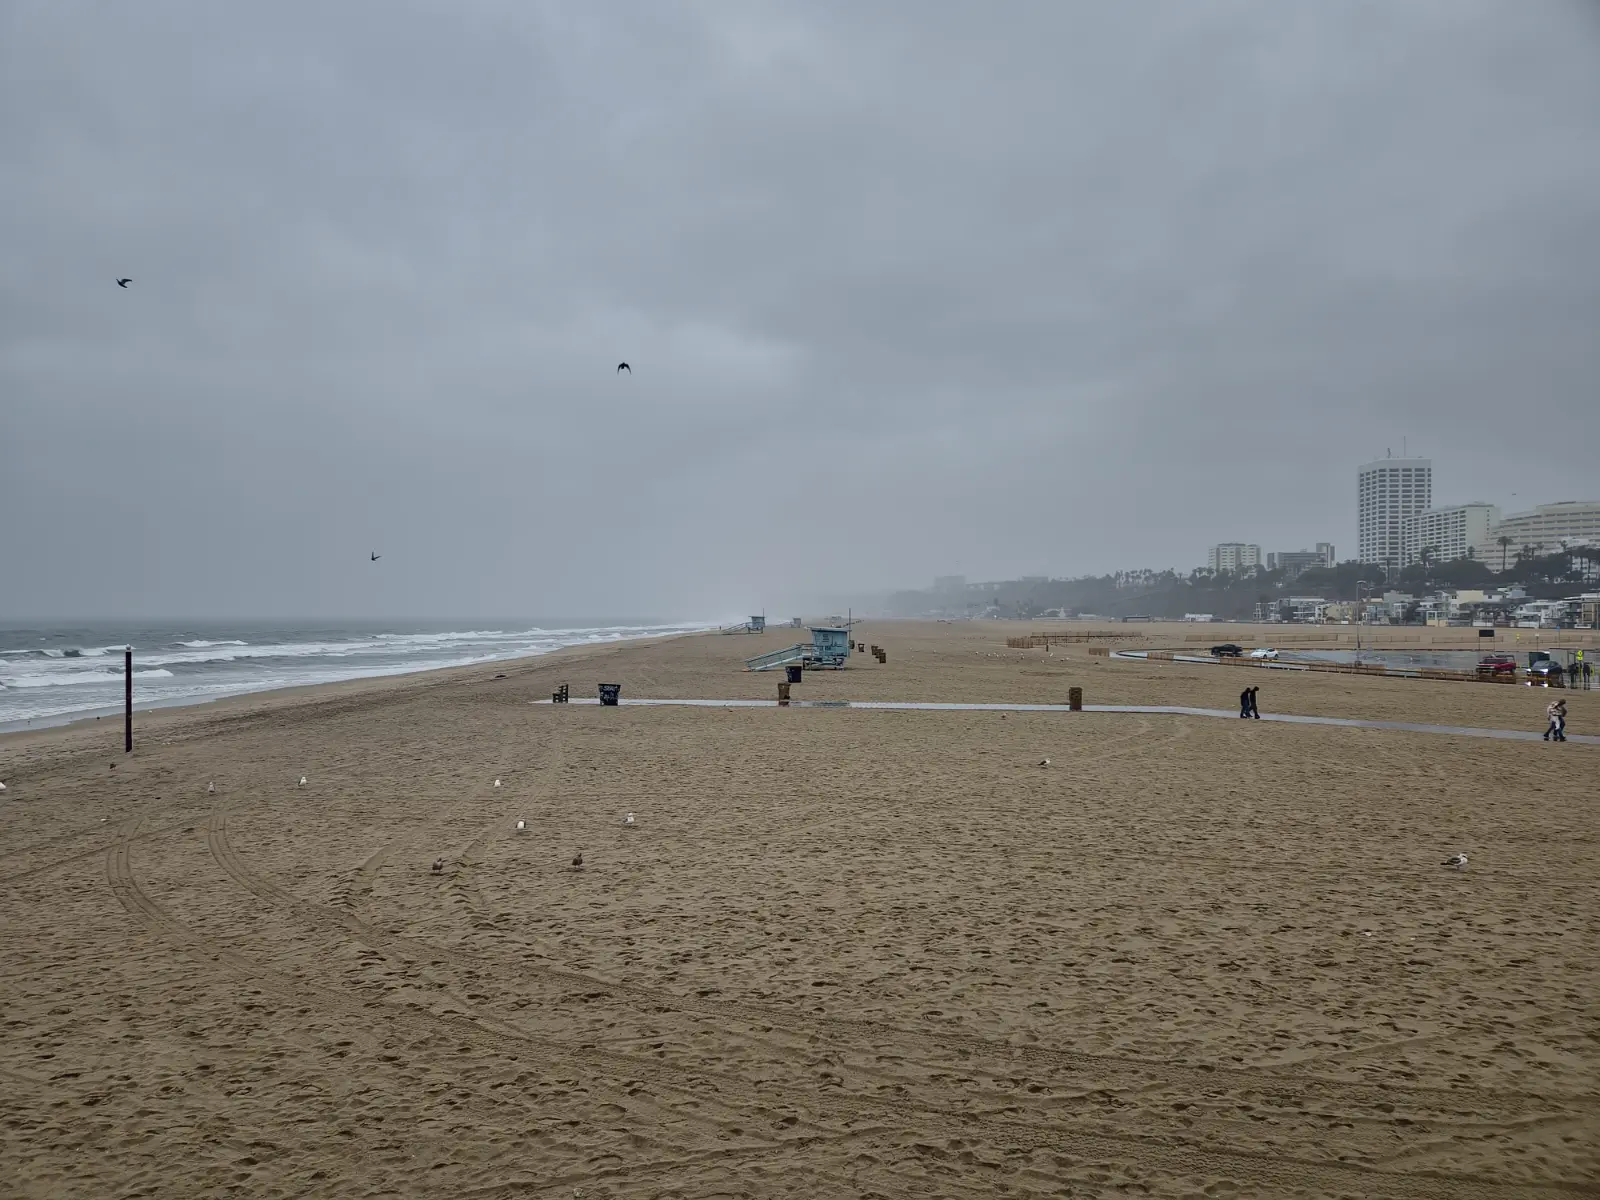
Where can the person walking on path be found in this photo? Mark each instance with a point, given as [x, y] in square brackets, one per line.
[1586, 674]
[1244, 703]
[1557, 730]
[1255, 709]
[1572, 673]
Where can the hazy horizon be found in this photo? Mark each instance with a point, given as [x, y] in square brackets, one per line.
[1050, 289]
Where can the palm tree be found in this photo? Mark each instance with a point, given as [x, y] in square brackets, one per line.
[1425, 558]
[1505, 541]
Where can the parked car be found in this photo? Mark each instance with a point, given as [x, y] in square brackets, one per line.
[1227, 650]
[1550, 673]
[1497, 664]
[1263, 652]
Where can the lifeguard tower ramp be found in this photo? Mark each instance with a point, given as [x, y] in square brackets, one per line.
[828, 650]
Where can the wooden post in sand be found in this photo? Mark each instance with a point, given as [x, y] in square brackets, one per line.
[127, 700]
[1075, 699]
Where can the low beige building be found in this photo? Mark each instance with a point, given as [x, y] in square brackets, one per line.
[1575, 522]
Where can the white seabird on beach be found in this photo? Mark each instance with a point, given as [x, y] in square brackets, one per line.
[2, 787]
[628, 820]
[302, 781]
[1458, 861]
[497, 783]
[211, 789]
[1044, 762]
[522, 827]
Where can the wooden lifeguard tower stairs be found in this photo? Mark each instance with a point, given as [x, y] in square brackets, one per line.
[828, 650]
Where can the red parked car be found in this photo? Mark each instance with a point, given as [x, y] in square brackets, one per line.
[1497, 664]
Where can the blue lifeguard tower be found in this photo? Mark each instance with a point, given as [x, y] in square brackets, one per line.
[828, 650]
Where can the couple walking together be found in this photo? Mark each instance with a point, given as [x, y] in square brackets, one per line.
[1247, 703]
[1556, 731]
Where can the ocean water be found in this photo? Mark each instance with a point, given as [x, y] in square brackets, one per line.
[53, 674]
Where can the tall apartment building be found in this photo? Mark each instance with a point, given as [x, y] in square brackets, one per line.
[1326, 550]
[1451, 532]
[1388, 490]
[1233, 556]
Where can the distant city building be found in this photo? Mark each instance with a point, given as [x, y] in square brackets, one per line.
[1576, 522]
[1295, 563]
[1297, 610]
[1452, 532]
[1142, 578]
[950, 583]
[1233, 556]
[1388, 490]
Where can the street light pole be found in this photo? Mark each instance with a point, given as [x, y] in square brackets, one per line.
[1361, 588]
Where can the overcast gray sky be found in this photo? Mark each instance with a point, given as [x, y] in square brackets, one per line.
[908, 288]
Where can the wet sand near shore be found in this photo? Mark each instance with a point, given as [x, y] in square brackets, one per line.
[841, 952]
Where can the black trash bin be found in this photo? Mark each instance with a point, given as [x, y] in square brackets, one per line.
[610, 693]
[793, 672]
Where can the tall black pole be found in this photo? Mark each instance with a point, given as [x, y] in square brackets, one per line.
[127, 698]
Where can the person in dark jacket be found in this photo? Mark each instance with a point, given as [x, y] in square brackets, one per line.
[1255, 709]
[1244, 703]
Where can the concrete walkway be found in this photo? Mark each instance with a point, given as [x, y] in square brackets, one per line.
[1507, 735]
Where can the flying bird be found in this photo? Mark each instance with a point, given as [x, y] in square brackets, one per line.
[621, 367]
[122, 283]
[1458, 861]
[375, 556]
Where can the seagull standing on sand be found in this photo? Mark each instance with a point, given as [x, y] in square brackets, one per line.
[522, 827]
[628, 820]
[2, 787]
[211, 789]
[438, 866]
[1044, 762]
[497, 783]
[577, 861]
[1458, 861]
[302, 781]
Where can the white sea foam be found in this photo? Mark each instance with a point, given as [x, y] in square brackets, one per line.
[39, 683]
[79, 678]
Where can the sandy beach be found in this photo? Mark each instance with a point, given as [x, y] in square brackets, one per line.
[841, 952]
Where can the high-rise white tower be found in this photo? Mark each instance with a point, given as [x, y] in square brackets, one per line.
[1388, 490]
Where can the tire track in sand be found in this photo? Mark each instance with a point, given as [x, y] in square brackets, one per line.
[414, 954]
[703, 1084]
